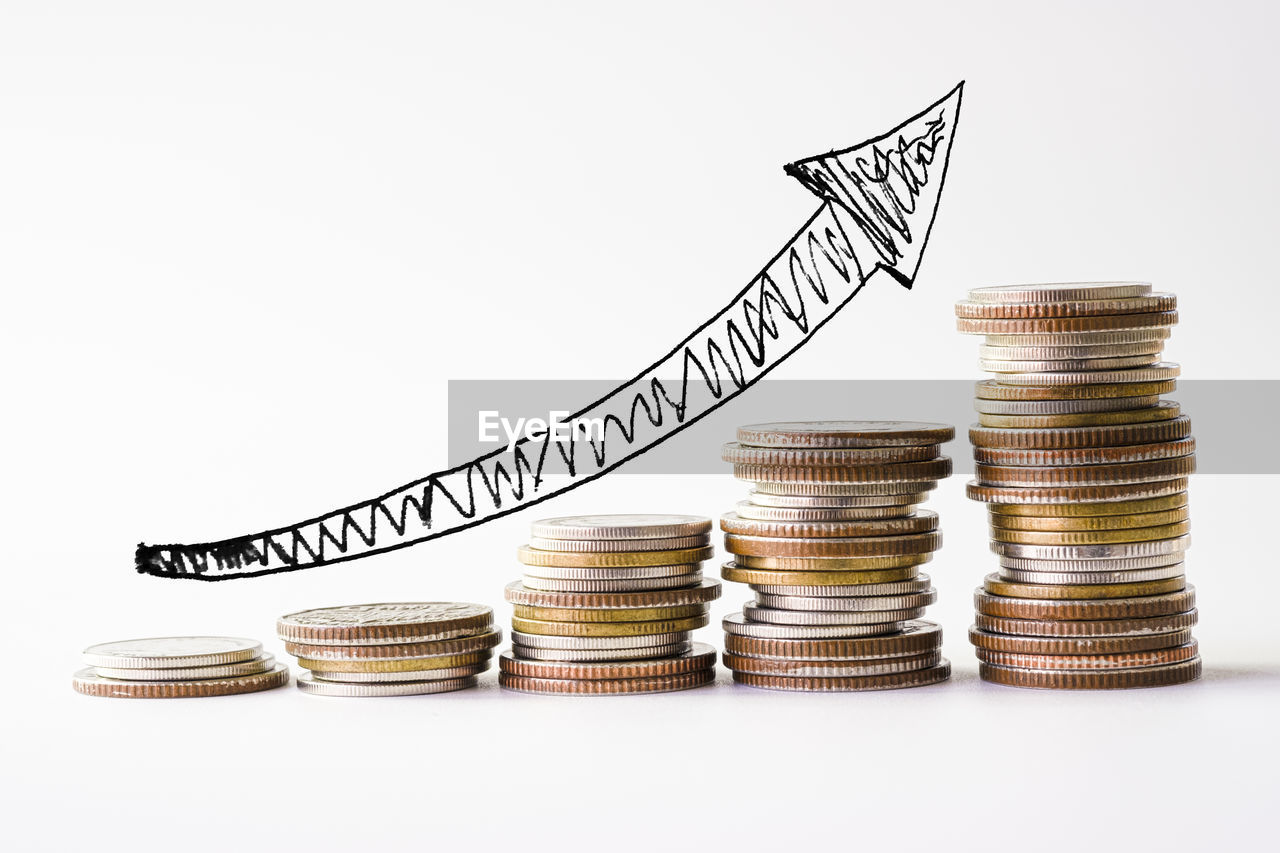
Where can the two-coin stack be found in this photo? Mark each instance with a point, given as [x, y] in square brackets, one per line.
[1084, 470]
[395, 649]
[607, 606]
[832, 543]
[178, 668]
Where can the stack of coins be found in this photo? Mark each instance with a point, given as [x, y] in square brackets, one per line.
[607, 606]
[1084, 472]
[831, 542]
[398, 649]
[178, 668]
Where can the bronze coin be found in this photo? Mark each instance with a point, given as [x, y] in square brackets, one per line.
[919, 522]
[89, 683]
[612, 614]
[1086, 627]
[1091, 537]
[1141, 505]
[708, 590]
[844, 434]
[1086, 436]
[915, 638]
[1073, 494]
[1077, 645]
[1089, 522]
[616, 559]
[989, 389]
[997, 586]
[392, 651]
[739, 574]
[1079, 475]
[869, 546]
[831, 668]
[1107, 455]
[1165, 410]
[1086, 609]
[606, 686]
[1114, 660]
[700, 657]
[809, 684]
[1153, 676]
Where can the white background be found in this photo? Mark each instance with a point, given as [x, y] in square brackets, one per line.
[244, 245]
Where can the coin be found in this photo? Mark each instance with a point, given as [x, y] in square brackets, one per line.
[1060, 292]
[1089, 522]
[1110, 661]
[846, 603]
[738, 625]
[772, 616]
[739, 574]
[885, 492]
[830, 669]
[1073, 494]
[447, 674]
[1091, 537]
[88, 682]
[1085, 609]
[397, 651]
[1085, 552]
[920, 522]
[847, 502]
[606, 629]
[563, 559]
[1178, 499]
[1085, 455]
[637, 526]
[1158, 372]
[1057, 627]
[1155, 676]
[586, 573]
[394, 664]
[1044, 309]
[612, 614]
[995, 585]
[172, 652]
[989, 389]
[1127, 472]
[1103, 564]
[192, 673]
[1077, 645]
[1073, 437]
[1161, 573]
[1068, 352]
[643, 653]
[898, 472]
[869, 546]
[833, 564]
[1076, 364]
[1063, 407]
[373, 624]
[671, 582]
[1165, 410]
[844, 434]
[916, 678]
[707, 590]
[607, 686]
[914, 638]
[742, 454]
[546, 641]
[748, 510]
[611, 546]
[308, 684]
[1063, 325]
[921, 583]
[700, 657]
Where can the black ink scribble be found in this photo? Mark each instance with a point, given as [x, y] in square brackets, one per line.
[879, 202]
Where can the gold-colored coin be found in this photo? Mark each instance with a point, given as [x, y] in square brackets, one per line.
[994, 585]
[1083, 510]
[739, 574]
[918, 522]
[617, 559]
[869, 546]
[1085, 475]
[1089, 522]
[616, 614]
[395, 664]
[1167, 410]
[1073, 494]
[606, 629]
[1074, 437]
[1090, 537]
[1112, 455]
[829, 564]
[989, 389]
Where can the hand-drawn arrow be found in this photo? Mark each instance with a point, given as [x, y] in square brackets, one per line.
[879, 202]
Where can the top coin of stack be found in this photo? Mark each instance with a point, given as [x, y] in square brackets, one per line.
[1084, 470]
[178, 667]
[607, 606]
[392, 649]
[831, 542]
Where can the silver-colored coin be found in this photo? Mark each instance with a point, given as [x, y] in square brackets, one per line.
[909, 501]
[172, 652]
[912, 488]
[190, 673]
[635, 526]
[1067, 291]
[748, 510]
[1136, 576]
[385, 622]
[992, 365]
[548, 641]
[309, 684]
[1063, 407]
[921, 583]
[610, 573]
[772, 616]
[846, 603]
[1076, 339]
[1115, 564]
[1151, 548]
[614, 546]
[850, 669]
[1068, 352]
[1158, 372]
[638, 585]
[446, 674]
[590, 655]
[738, 625]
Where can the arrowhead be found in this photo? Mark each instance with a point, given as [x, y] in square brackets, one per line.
[889, 186]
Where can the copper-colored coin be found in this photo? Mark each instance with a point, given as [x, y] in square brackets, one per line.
[708, 590]
[1077, 645]
[1086, 627]
[830, 668]
[374, 624]
[606, 686]
[393, 651]
[1081, 475]
[844, 434]
[1115, 660]
[395, 664]
[607, 629]
[1080, 510]
[996, 586]
[845, 457]
[1146, 304]
[901, 472]
[534, 557]
[870, 546]
[830, 564]
[1166, 410]
[920, 522]
[1017, 456]
[916, 678]
[1089, 522]
[1073, 494]
[700, 657]
[915, 638]
[611, 614]
[1063, 325]
[88, 682]
[989, 389]
[747, 509]
[1153, 676]
[1088, 436]
[734, 572]
[1086, 609]
[1091, 537]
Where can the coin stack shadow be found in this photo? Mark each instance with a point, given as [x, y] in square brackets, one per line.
[390, 649]
[1084, 472]
[832, 543]
[178, 668]
[608, 604]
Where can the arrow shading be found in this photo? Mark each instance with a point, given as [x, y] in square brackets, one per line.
[879, 199]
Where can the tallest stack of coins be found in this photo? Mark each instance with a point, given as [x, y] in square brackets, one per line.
[1084, 472]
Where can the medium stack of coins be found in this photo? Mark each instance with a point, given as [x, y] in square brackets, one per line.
[1084, 470]
[399, 649]
[178, 668]
[832, 543]
[608, 604]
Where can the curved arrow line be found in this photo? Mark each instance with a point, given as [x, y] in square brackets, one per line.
[831, 250]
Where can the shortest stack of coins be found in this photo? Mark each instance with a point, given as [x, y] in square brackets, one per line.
[178, 668]
[831, 542]
[608, 604]
[398, 649]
